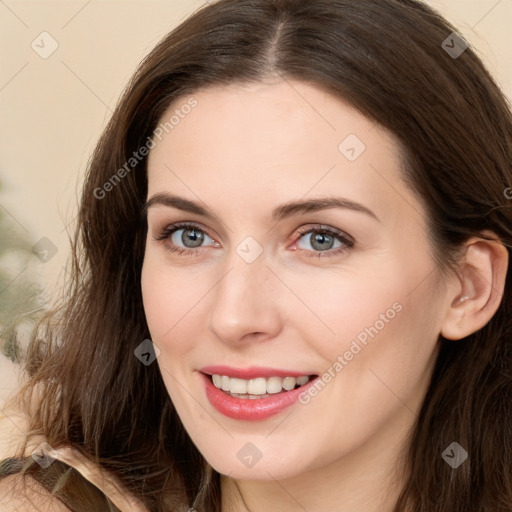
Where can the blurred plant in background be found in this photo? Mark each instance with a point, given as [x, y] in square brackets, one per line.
[21, 294]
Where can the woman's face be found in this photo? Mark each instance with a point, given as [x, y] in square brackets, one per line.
[304, 254]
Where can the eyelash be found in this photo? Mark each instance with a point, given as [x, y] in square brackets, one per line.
[348, 244]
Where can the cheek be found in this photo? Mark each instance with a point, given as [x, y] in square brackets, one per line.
[159, 298]
[376, 337]
[385, 359]
[154, 298]
[344, 307]
[171, 298]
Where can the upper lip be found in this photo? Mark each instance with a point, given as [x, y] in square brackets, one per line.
[252, 372]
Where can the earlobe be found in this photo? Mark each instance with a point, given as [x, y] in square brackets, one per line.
[480, 290]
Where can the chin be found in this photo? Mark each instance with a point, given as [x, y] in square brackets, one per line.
[270, 469]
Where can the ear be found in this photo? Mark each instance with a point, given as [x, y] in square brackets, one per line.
[478, 294]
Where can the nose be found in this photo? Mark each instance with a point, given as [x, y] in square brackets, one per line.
[246, 303]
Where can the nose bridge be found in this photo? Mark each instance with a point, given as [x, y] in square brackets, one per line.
[245, 300]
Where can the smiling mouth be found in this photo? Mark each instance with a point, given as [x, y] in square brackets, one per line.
[259, 387]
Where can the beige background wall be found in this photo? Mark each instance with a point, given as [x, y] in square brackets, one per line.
[53, 109]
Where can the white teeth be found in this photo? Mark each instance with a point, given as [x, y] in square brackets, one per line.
[238, 386]
[224, 383]
[259, 387]
[274, 385]
[302, 380]
[256, 386]
[289, 383]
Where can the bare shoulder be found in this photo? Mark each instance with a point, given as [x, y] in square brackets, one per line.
[19, 494]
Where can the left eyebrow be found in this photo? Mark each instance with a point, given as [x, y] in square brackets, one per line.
[317, 204]
[281, 212]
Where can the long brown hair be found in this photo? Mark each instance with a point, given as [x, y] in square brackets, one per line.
[385, 57]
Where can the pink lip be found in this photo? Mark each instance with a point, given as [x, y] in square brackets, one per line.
[251, 409]
[250, 373]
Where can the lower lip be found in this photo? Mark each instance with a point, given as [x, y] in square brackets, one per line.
[251, 409]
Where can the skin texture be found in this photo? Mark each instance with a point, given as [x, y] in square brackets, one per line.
[241, 152]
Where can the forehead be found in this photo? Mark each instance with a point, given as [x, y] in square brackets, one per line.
[273, 141]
